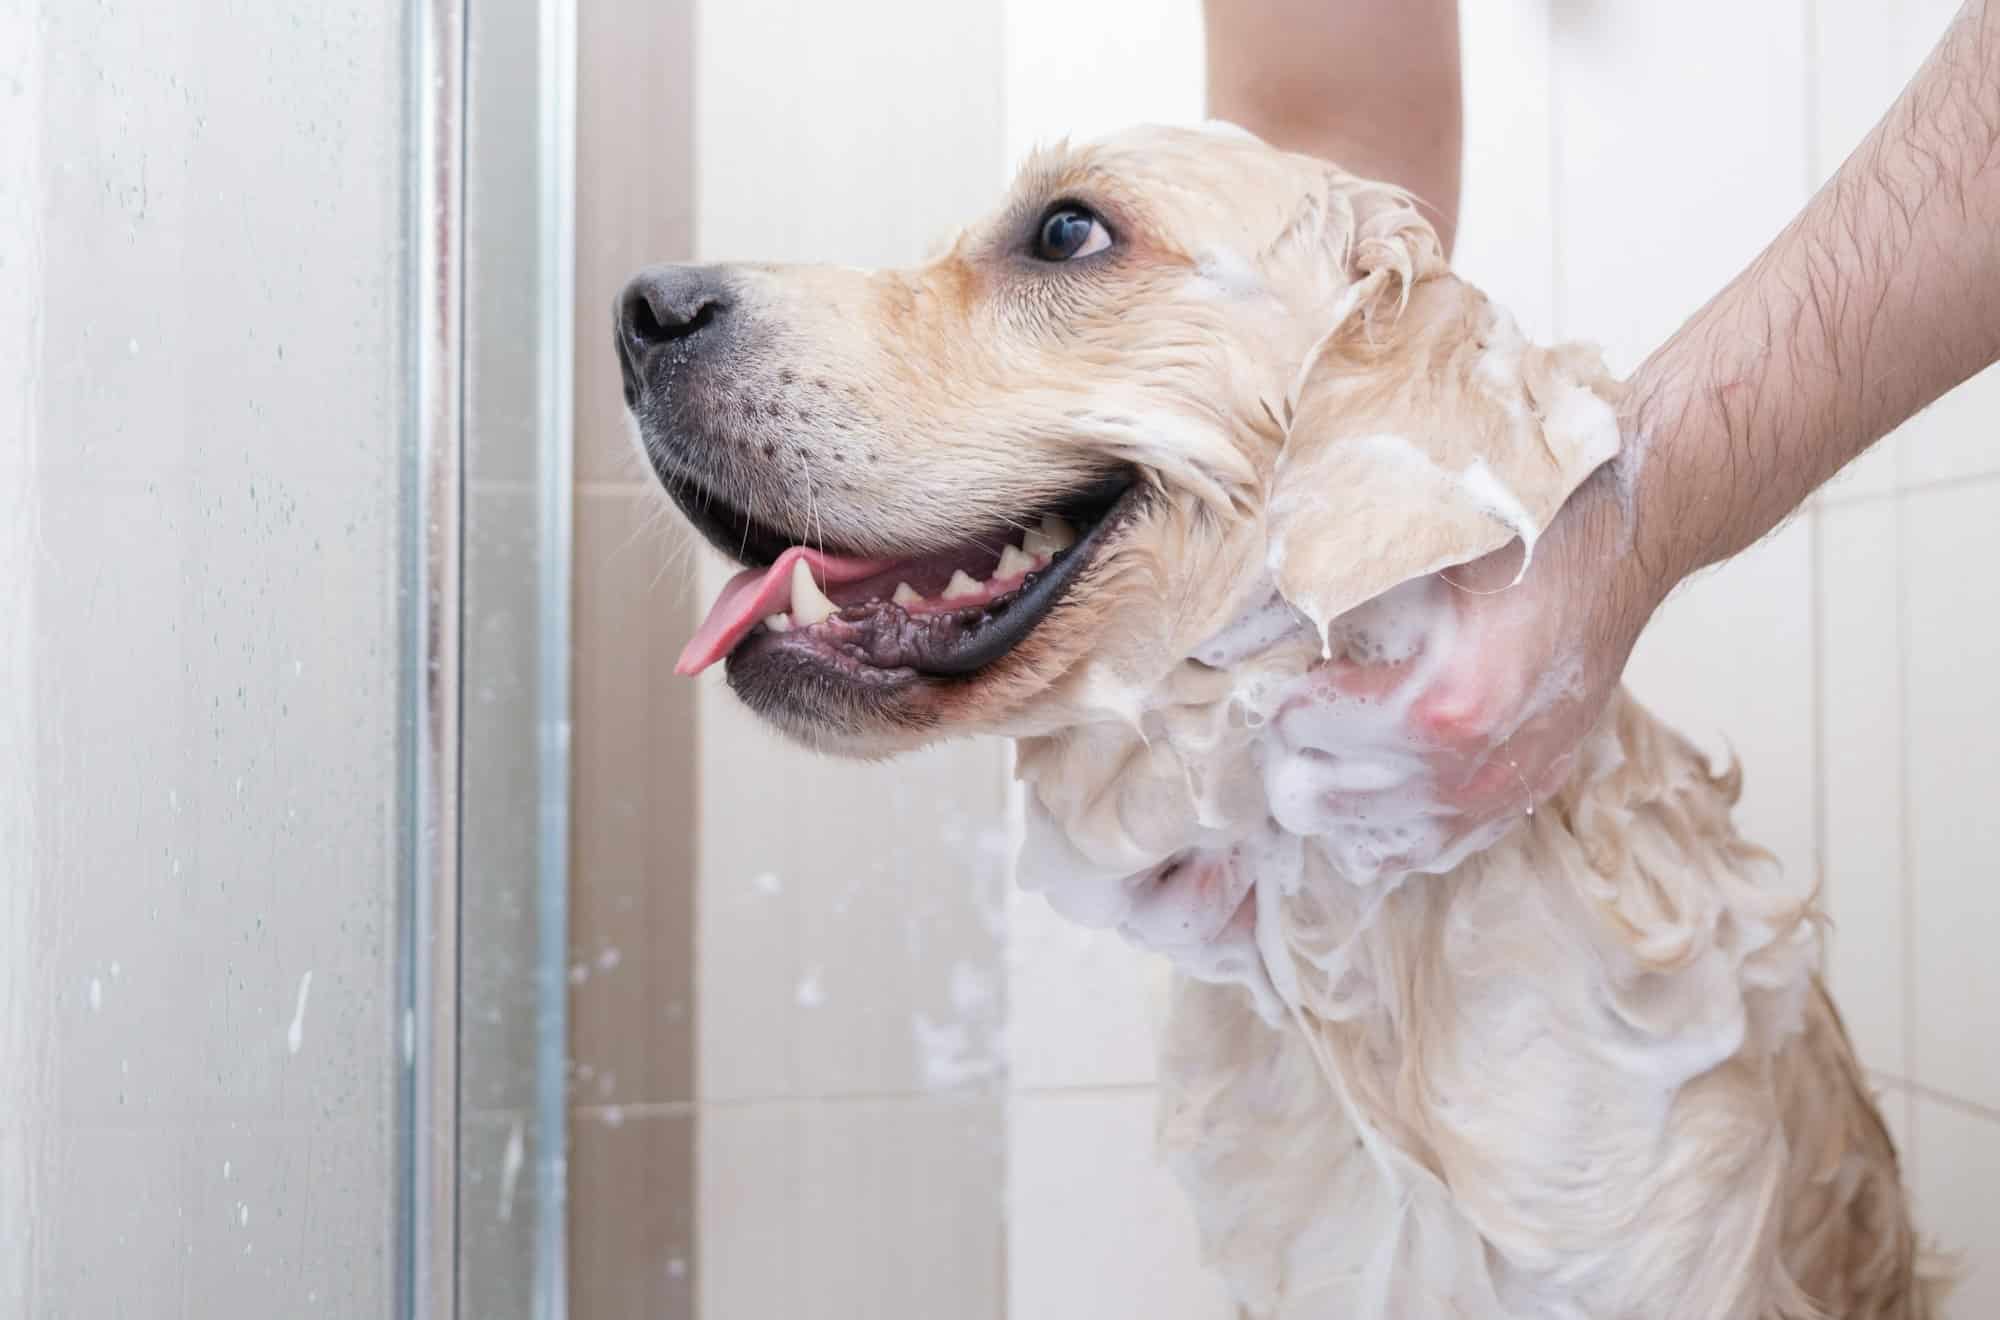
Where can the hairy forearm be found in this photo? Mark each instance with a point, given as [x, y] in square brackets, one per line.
[1882, 295]
[1372, 85]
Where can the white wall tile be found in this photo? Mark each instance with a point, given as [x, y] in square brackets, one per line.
[1895, 1102]
[1680, 153]
[1871, 476]
[852, 1211]
[1080, 71]
[1951, 540]
[1096, 1225]
[1860, 704]
[1083, 1005]
[861, 133]
[1957, 437]
[1506, 235]
[850, 917]
[1958, 1166]
[1864, 52]
[1729, 662]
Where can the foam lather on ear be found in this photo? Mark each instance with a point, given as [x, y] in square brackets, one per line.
[1427, 441]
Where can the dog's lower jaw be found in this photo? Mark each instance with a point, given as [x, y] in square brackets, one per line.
[1500, 1114]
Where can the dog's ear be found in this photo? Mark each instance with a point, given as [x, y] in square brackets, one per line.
[1423, 430]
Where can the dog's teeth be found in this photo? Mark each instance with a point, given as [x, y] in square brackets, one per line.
[961, 585]
[1037, 545]
[1059, 534]
[809, 603]
[778, 622]
[1013, 563]
[906, 595]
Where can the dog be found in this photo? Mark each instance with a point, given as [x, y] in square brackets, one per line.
[1117, 476]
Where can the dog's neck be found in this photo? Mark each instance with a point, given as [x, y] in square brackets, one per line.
[1497, 1035]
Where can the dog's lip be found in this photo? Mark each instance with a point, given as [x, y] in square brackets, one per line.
[878, 643]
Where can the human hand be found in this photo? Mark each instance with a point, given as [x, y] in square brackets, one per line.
[1453, 705]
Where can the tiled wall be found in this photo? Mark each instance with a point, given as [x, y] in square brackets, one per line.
[632, 1226]
[850, 991]
[857, 1137]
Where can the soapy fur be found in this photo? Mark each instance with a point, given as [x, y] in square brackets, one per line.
[1577, 1066]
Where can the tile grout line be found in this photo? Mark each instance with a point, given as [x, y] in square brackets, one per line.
[1827, 497]
[1905, 845]
[1001, 1095]
[1944, 1099]
[1558, 286]
[1816, 597]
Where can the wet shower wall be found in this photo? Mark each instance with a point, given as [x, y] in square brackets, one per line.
[202, 459]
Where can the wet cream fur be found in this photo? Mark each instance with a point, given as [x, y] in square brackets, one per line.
[1590, 1070]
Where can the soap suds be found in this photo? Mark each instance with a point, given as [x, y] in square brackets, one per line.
[1493, 498]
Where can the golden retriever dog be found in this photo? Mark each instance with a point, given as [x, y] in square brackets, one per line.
[1117, 476]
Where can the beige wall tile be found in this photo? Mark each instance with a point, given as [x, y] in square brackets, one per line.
[853, 1210]
[633, 1227]
[1860, 712]
[635, 196]
[1729, 662]
[1958, 1166]
[1096, 1225]
[632, 923]
[1952, 640]
[1656, 212]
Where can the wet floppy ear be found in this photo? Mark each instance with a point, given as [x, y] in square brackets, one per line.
[1424, 432]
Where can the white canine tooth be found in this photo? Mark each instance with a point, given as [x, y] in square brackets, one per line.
[778, 622]
[1058, 533]
[1037, 545]
[906, 595]
[961, 585]
[1013, 563]
[809, 603]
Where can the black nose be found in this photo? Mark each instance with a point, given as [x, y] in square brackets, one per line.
[663, 307]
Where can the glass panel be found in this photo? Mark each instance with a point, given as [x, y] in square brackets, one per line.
[203, 555]
[515, 712]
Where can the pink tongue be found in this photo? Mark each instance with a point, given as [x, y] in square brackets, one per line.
[756, 592]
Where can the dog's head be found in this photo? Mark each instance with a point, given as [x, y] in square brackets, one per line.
[1023, 482]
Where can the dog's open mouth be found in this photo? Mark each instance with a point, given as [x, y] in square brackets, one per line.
[945, 613]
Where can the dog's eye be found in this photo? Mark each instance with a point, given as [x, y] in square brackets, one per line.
[1069, 232]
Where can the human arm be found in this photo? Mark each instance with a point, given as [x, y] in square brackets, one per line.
[1372, 85]
[1881, 295]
